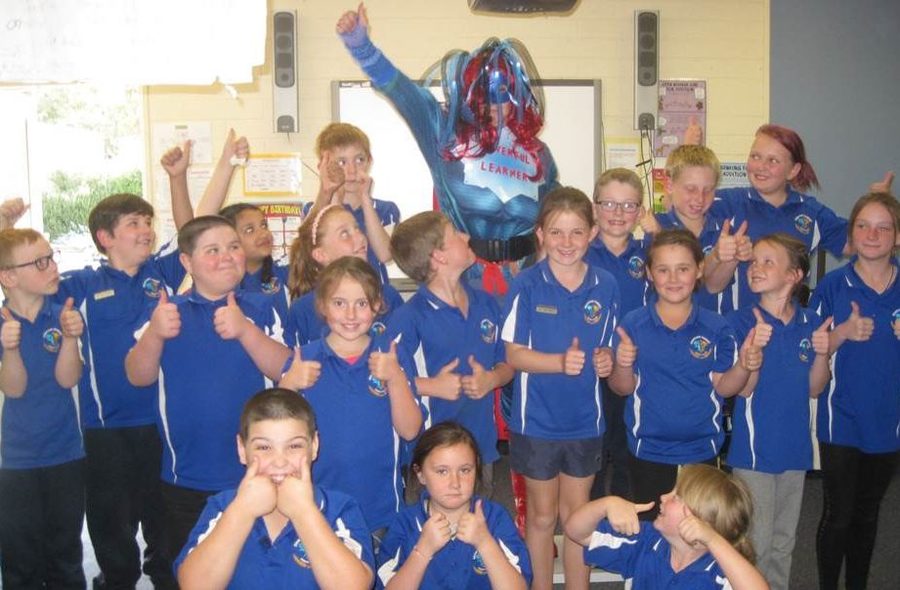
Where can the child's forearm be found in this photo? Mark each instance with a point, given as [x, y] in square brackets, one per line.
[502, 374]
[411, 573]
[267, 354]
[142, 361]
[217, 189]
[819, 375]
[68, 364]
[622, 380]
[750, 387]
[501, 572]
[333, 564]
[583, 522]
[405, 413]
[717, 274]
[522, 358]
[181, 200]
[379, 238]
[13, 375]
[740, 573]
[210, 565]
[732, 381]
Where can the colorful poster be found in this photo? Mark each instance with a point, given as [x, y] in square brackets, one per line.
[284, 220]
[682, 104]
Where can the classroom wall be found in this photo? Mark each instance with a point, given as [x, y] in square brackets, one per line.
[722, 41]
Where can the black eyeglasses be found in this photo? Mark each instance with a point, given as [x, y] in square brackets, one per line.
[627, 207]
[41, 263]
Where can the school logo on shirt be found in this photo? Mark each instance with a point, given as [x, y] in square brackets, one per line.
[803, 223]
[805, 348]
[592, 311]
[895, 317]
[300, 556]
[272, 286]
[151, 287]
[636, 267]
[478, 564]
[376, 386]
[377, 329]
[488, 331]
[52, 339]
[707, 250]
[701, 347]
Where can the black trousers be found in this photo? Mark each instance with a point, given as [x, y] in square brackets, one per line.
[41, 517]
[854, 484]
[614, 477]
[122, 492]
[183, 508]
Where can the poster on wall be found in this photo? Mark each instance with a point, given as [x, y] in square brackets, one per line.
[284, 220]
[681, 103]
[273, 175]
[734, 174]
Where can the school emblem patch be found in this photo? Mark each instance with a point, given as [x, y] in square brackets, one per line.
[488, 331]
[701, 347]
[803, 223]
[895, 317]
[636, 267]
[299, 555]
[151, 287]
[592, 311]
[271, 286]
[805, 349]
[478, 564]
[376, 386]
[51, 340]
[377, 329]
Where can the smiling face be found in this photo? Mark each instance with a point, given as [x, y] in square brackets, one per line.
[612, 219]
[339, 235]
[692, 193]
[770, 167]
[672, 510]
[674, 273]
[216, 263]
[256, 239]
[280, 446]
[448, 473]
[874, 235]
[130, 242]
[348, 311]
[565, 238]
[770, 270]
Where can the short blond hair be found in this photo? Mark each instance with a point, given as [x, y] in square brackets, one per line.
[10, 239]
[623, 175]
[692, 156]
[337, 135]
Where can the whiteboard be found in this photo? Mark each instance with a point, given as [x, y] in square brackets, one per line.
[572, 130]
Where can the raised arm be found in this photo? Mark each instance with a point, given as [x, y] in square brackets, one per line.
[235, 152]
[176, 162]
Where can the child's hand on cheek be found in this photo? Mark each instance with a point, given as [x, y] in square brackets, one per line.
[694, 531]
[229, 321]
[435, 534]
[472, 527]
[301, 374]
[256, 496]
[295, 493]
[165, 321]
[331, 177]
[384, 366]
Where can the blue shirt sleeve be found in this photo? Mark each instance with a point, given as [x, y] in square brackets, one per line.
[616, 552]
[726, 348]
[833, 231]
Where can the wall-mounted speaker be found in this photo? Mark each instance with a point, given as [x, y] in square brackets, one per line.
[646, 68]
[285, 90]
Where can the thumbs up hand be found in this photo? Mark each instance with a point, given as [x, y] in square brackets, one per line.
[763, 330]
[165, 321]
[11, 332]
[472, 527]
[883, 185]
[603, 362]
[896, 326]
[731, 247]
[750, 356]
[626, 352]
[447, 384]
[857, 327]
[384, 366]
[821, 338]
[573, 359]
[478, 384]
[177, 159]
[70, 322]
[229, 320]
[301, 374]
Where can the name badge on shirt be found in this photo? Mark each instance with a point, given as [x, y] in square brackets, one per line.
[104, 294]
[548, 309]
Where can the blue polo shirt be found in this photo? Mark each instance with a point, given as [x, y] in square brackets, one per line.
[722, 302]
[276, 288]
[647, 559]
[435, 334]
[359, 450]
[204, 382]
[283, 563]
[304, 324]
[457, 564]
[388, 214]
[114, 305]
[861, 408]
[801, 216]
[40, 428]
[771, 427]
[675, 414]
[544, 316]
[628, 268]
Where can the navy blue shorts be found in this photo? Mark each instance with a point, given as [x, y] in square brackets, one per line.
[543, 459]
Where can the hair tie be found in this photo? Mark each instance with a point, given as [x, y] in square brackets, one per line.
[318, 218]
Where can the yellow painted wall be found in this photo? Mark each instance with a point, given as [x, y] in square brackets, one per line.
[725, 42]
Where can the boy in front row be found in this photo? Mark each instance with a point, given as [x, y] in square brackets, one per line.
[210, 349]
[41, 479]
[277, 529]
